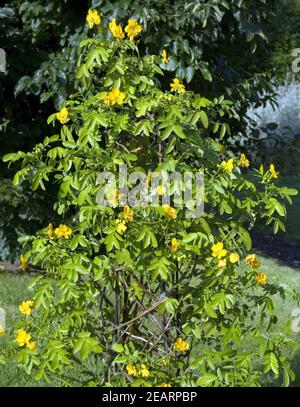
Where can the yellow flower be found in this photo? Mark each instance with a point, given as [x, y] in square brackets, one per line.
[244, 161]
[227, 165]
[50, 230]
[165, 385]
[133, 29]
[23, 338]
[167, 96]
[63, 115]
[222, 263]
[252, 261]
[93, 18]
[169, 212]
[181, 346]
[31, 346]
[1, 330]
[23, 262]
[234, 258]
[63, 231]
[127, 214]
[121, 227]
[113, 197]
[131, 370]
[261, 278]
[218, 250]
[177, 86]
[26, 307]
[160, 190]
[115, 96]
[256, 264]
[165, 57]
[116, 29]
[148, 180]
[273, 171]
[144, 371]
[174, 245]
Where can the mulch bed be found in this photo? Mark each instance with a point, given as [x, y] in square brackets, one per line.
[287, 252]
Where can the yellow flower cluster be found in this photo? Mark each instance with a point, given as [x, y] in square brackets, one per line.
[50, 231]
[133, 371]
[222, 263]
[63, 115]
[244, 162]
[63, 231]
[23, 263]
[169, 212]
[127, 214]
[113, 197]
[234, 258]
[261, 278]
[1, 330]
[23, 338]
[115, 96]
[251, 259]
[165, 385]
[160, 190]
[181, 346]
[168, 97]
[177, 86]
[120, 226]
[116, 29]
[26, 307]
[148, 180]
[93, 18]
[227, 165]
[273, 172]
[174, 245]
[144, 371]
[165, 57]
[133, 29]
[220, 252]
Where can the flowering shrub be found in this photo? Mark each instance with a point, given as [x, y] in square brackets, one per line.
[146, 296]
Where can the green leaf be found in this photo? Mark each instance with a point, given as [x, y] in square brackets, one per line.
[118, 347]
[204, 119]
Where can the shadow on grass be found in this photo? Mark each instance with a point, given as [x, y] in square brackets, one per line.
[276, 247]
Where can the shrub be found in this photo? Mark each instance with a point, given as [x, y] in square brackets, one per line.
[204, 39]
[146, 295]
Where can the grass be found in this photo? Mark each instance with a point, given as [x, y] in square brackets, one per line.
[13, 290]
